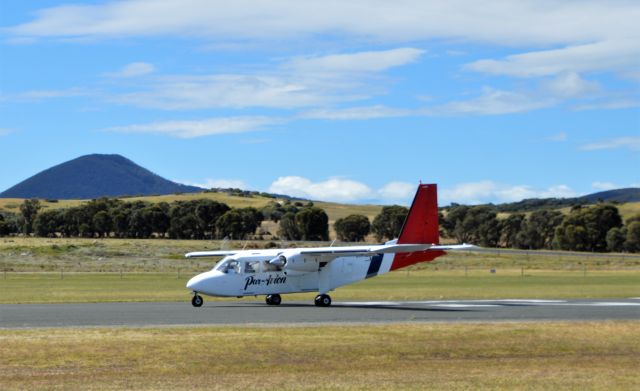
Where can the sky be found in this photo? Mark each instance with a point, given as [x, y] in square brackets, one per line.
[348, 101]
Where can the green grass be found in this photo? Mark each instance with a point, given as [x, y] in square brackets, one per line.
[157, 270]
[497, 356]
[415, 285]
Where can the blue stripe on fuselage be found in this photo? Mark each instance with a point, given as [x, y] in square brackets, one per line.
[374, 266]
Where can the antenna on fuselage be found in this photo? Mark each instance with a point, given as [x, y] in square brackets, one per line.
[225, 243]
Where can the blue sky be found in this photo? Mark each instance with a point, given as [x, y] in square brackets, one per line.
[331, 100]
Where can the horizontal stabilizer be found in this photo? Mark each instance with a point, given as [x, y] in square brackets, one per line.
[455, 247]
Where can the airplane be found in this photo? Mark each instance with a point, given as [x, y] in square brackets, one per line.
[272, 272]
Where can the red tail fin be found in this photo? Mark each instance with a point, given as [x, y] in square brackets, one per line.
[421, 225]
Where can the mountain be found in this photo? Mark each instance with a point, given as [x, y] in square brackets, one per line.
[94, 176]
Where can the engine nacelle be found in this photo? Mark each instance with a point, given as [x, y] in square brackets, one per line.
[295, 263]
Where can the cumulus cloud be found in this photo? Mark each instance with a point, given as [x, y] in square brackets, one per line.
[199, 128]
[343, 190]
[333, 189]
[133, 70]
[398, 191]
[489, 191]
[631, 143]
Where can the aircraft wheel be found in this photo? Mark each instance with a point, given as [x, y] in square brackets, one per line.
[197, 300]
[273, 299]
[323, 301]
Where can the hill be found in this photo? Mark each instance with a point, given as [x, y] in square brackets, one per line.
[631, 194]
[94, 176]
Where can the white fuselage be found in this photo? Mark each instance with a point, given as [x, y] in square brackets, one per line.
[252, 274]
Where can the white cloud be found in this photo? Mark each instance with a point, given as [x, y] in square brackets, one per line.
[199, 128]
[36, 95]
[558, 137]
[356, 113]
[619, 56]
[570, 85]
[397, 191]
[234, 91]
[604, 186]
[631, 143]
[134, 69]
[333, 189]
[493, 102]
[529, 22]
[218, 183]
[371, 61]
[297, 83]
[585, 37]
[489, 191]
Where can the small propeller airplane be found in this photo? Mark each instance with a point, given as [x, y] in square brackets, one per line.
[273, 272]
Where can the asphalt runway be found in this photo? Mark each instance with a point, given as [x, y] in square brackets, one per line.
[305, 313]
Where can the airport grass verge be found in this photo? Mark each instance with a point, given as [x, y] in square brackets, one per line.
[59, 287]
[532, 356]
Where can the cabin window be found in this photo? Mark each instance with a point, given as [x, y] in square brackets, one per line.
[251, 267]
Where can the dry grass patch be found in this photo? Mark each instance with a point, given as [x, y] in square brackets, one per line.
[416, 356]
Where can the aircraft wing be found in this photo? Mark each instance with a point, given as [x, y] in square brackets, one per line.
[367, 250]
[199, 254]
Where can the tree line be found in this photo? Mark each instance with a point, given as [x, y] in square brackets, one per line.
[596, 228]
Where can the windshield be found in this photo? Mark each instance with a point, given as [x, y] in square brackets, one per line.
[228, 265]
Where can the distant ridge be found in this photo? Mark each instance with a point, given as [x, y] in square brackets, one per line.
[94, 176]
[631, 194]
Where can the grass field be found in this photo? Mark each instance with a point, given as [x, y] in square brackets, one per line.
[86, 270]
[400, 285]
[502, 356]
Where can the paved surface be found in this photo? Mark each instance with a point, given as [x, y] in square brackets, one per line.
[242, 312]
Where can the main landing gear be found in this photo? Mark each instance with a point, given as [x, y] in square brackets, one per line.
[197, 300]
[322, 300]
[273, 299]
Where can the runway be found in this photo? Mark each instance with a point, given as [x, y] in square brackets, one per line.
[305, 313]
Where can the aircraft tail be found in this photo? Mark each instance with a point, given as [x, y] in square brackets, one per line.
[420, 227]
[421, 224]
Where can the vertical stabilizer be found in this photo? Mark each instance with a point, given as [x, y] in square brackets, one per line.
[421, 225]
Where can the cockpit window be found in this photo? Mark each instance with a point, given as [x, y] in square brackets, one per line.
[228, 265]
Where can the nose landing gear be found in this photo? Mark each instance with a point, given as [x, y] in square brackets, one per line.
[197, 300]
[322, 300]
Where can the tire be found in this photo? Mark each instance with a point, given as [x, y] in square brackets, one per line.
[197, 301]
[322, 301]
[273, 299]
